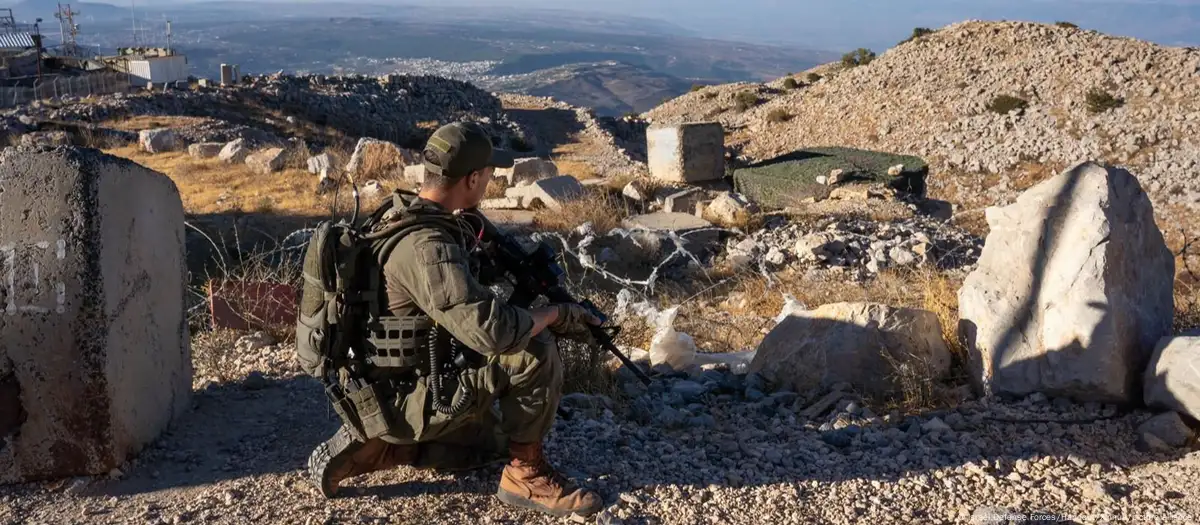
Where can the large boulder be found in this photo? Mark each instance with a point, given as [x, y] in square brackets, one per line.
[158, 140]
[1172, 380]
[95, 360]
[378, 158]
[1072, 292]
[877, 349]
[205, 150]
[235, 152]
[269, 160]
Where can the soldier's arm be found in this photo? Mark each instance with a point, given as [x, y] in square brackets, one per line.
[436, 273]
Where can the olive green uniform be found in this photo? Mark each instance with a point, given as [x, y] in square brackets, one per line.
[429, 273]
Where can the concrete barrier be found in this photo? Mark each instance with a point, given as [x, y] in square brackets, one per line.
[94, 360]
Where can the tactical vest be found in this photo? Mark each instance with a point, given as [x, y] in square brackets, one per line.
[345, 335]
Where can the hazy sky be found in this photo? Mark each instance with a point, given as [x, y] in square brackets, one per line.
[881, 23]
[847, 24]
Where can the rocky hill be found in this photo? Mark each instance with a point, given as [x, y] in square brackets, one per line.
[931, 97]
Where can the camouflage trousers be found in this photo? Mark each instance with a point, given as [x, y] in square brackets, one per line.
[526, 386]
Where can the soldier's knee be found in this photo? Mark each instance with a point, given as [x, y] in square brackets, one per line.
[540, 362]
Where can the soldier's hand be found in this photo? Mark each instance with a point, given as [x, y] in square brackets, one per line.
[574, 323]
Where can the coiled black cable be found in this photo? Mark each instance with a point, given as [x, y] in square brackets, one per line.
[435, 378]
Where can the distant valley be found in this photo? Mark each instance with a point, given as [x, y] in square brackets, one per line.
[613, 64]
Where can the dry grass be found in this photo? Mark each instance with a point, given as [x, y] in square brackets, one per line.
[495, 189]
[604, 210]
[211, 186]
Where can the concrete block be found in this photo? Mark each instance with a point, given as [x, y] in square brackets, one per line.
[684, 201]
[227, 76]
[205, 150]
[528, 169]
[95, 360]
[687, 153]
[551, 193]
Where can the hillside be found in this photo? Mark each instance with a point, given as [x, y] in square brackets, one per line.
[610, 88]
[930, 97]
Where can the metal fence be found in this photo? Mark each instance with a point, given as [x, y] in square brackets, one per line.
[55, 88]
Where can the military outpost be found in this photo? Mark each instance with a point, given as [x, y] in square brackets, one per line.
[818, 313]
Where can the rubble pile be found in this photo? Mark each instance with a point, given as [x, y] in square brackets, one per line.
[864, 246]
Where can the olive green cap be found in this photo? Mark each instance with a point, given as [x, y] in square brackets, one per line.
[455, 150]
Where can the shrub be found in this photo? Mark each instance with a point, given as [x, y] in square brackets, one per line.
[813, 77]
[1006, 104]
[778, 115]
[746, 100]
[708, 95]
[1099, 101]
[859, 57]
[790, 83]
[696, 87]
[1066, 25]
[918, 33]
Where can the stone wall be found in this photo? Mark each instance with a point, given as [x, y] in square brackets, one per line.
[95, 361]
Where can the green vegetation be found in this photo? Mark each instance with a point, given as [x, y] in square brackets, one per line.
[778, 115]
[918, 33]
[745, 100]
[788, 180]
[1099, 101]
[859, 57]
[813, 77]
[696, 87]
[790, 83]
[1066, 25]
[1006, 104]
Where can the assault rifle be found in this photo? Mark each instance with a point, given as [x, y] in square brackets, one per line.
[537, 273]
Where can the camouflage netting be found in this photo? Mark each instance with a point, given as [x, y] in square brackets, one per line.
[792, 178]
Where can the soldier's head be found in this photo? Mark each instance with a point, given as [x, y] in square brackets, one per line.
[459, 163]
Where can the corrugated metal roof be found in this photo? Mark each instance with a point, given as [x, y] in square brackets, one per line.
[18, 40]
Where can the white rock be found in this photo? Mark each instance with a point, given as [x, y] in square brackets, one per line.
[857, 343]
[835, 176]
[371, 188]
[205, 150]
[234, 152]
[269, 160]
[896, 170]
[1173, 378]
[729, 209]
[1072, 292]
[158, 140]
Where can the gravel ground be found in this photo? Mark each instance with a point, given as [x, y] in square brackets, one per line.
[711, 448]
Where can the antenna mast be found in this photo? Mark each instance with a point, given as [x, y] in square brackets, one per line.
[67, 29]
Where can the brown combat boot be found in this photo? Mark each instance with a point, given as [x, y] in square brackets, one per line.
[343, 457]
[530, 482]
